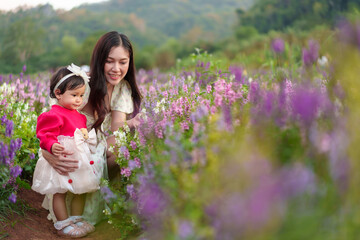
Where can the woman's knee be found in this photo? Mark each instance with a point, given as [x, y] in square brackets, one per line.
[111, 163]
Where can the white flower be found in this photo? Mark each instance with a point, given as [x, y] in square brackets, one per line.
[323, 61]
[126, 128]
[120, 137]
[156, 109]
[106, 212]
[111, 148]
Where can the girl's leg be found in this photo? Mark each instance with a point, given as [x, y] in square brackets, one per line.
[59, 206]
[77, 208]
[64, 224]
[77, 204]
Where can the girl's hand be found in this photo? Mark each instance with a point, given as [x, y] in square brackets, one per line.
[62, 163]
[57, 149]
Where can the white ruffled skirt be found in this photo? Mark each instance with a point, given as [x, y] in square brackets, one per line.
[46, 180]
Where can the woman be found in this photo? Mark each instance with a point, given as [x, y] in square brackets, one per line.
[114, 95]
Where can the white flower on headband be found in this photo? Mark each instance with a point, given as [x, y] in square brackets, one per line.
[78, 72]
[75, 71]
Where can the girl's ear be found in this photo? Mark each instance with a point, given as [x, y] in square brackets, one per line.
[57, 94]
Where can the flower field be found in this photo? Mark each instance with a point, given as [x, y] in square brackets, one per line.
[224, 152]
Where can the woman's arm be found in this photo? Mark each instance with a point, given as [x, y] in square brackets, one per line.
[117, 120]
[62, 163]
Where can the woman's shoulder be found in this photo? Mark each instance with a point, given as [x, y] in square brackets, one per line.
[121, 98]
[124, 84]
[121, 89]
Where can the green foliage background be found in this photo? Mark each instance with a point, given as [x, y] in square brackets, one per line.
[162, 31]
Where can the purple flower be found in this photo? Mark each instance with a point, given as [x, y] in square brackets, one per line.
[184, 126]
[226, 119]
[310, 55]
[24, 68]
[296, 180]
[15, 171]
[278, 45]
[12, 197]
[32, 155]
[340, 166]
[137, 162]
[15, 145]
[126, 172]
[131, 191]
[4, 153]
[133, 145]
[357, 32]
[3, 119]
[125, 152]
[107, 193]
[269, 103]
[208, 88]
[200, 112]
[238, 73]
[349, 33]
[262, 200]
[229, 217]
[132, 165]
[151, 200]
[159, 131]
[9, 128]
[185, 229]
[305, 104]
[254, 92]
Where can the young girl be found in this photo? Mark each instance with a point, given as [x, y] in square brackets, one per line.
[113, 98]
[64, 128]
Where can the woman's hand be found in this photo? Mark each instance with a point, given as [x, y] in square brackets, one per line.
[62, 163]
[135, 121]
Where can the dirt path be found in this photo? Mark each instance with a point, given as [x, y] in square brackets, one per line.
[35, 226]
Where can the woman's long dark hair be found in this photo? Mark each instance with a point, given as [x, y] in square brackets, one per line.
[98, 79]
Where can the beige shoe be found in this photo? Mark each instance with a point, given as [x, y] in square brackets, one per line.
[68, 229]
[81, 223]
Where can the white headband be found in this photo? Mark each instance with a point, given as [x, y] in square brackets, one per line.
[76, 71]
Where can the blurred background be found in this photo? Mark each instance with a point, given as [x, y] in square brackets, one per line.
[251, 114]
[45, 37]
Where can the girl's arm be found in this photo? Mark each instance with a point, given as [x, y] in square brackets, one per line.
[62, 163]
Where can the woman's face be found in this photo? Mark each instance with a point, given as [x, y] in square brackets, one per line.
[116, 65]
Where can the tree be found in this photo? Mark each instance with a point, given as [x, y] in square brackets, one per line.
[268, 15]
[23, 39]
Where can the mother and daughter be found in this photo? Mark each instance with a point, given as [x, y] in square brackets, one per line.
[74, 134]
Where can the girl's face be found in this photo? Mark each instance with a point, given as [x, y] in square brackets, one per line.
[116, 65]
[71, 99]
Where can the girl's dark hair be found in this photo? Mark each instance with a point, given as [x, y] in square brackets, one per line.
[97, 76]
[72, 82]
